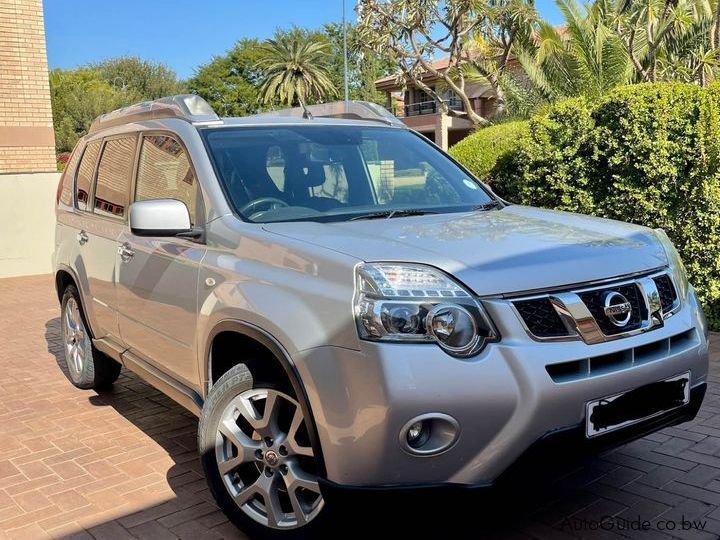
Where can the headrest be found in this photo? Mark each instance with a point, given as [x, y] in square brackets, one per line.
[309, 175]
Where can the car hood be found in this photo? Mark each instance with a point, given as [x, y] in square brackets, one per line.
[514, 249]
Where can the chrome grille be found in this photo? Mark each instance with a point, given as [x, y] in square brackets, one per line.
[541, 318]
[666, 289]
[592, 313]
[594, 302]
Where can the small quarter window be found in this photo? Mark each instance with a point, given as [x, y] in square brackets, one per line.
[165, 172]
[85, 174]
[113, 177]
[66, 191]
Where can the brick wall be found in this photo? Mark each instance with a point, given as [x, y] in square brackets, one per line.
[27, 143]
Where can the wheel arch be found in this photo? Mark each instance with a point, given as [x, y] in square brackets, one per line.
[266, 340]
[64, 277]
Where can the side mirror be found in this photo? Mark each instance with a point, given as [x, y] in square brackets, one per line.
[159, 217]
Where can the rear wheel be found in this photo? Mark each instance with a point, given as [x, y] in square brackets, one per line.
[87, 367]
[258, 460]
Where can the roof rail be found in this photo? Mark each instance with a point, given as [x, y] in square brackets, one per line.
[355, 110]
[188, 107]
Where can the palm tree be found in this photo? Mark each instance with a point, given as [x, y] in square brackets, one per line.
[295, 70]
[669, 40]
[584, 57]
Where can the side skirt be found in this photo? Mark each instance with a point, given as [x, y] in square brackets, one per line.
[174, 389]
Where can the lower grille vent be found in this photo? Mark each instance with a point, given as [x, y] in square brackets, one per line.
[609, 363]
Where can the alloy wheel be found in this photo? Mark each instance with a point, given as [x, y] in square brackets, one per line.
[75, 339]
[266, 461]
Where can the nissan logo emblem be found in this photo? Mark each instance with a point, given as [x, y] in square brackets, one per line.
[617, 308]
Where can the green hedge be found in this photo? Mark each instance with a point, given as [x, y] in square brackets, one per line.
[646, 154]
[480, 151]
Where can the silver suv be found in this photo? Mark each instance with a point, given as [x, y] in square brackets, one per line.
[343, 305]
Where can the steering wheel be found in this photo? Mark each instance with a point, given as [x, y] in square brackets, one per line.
[271, 202]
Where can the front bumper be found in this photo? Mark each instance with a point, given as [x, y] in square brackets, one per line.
[504, 400]
[554, 452]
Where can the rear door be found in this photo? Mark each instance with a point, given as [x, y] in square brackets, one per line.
[103, 205]
[158, 276]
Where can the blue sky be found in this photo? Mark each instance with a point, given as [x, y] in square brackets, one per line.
[181, 33]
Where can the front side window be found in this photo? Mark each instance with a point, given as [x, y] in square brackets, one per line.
[113, 177]
[335, 173]
[165, 172]
[85, 173]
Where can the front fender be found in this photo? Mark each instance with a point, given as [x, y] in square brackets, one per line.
[302, 302]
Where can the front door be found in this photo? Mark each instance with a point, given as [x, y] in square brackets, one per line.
[158, 277]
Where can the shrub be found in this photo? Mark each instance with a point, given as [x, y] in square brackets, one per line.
[481, 150]
[62, 159]
[551, 166]
[646, 154]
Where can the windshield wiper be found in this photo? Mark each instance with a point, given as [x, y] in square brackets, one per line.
[489, 206]
[389, 214]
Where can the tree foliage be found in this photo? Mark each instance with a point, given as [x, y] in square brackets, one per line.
[584, 57]
[478, 37]
[231, 82]
[80, 95]
[142, 78]
[612, 42]
[364, 66]
[295, 68]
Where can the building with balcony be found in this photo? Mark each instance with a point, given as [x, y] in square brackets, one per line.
[420, 111]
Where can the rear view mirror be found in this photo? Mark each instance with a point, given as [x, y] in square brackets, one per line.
[159, 217]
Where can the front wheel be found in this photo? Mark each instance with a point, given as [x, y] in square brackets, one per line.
[258, 460]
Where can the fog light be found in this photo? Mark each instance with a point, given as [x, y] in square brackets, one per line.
[429, 434]
[418, 434]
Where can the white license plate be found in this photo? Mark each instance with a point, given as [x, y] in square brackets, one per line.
[620, 410]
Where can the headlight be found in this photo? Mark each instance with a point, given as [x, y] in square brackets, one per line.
[675, 263]
[416, 303]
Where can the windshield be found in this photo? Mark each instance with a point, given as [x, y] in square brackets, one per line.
[336, 173]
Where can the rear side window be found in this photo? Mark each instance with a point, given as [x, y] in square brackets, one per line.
[85, 174]
[165, 172]
[113, 177]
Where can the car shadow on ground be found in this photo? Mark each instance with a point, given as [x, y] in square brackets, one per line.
[536, 500]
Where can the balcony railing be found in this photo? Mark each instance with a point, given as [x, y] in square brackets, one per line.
[430, 107]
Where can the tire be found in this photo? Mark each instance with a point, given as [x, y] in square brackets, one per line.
[263, 465]
[86, 366]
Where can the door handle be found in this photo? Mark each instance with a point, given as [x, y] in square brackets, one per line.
[82, 237]
[125, 251]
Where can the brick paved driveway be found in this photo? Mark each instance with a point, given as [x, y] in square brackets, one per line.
[123, 464]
